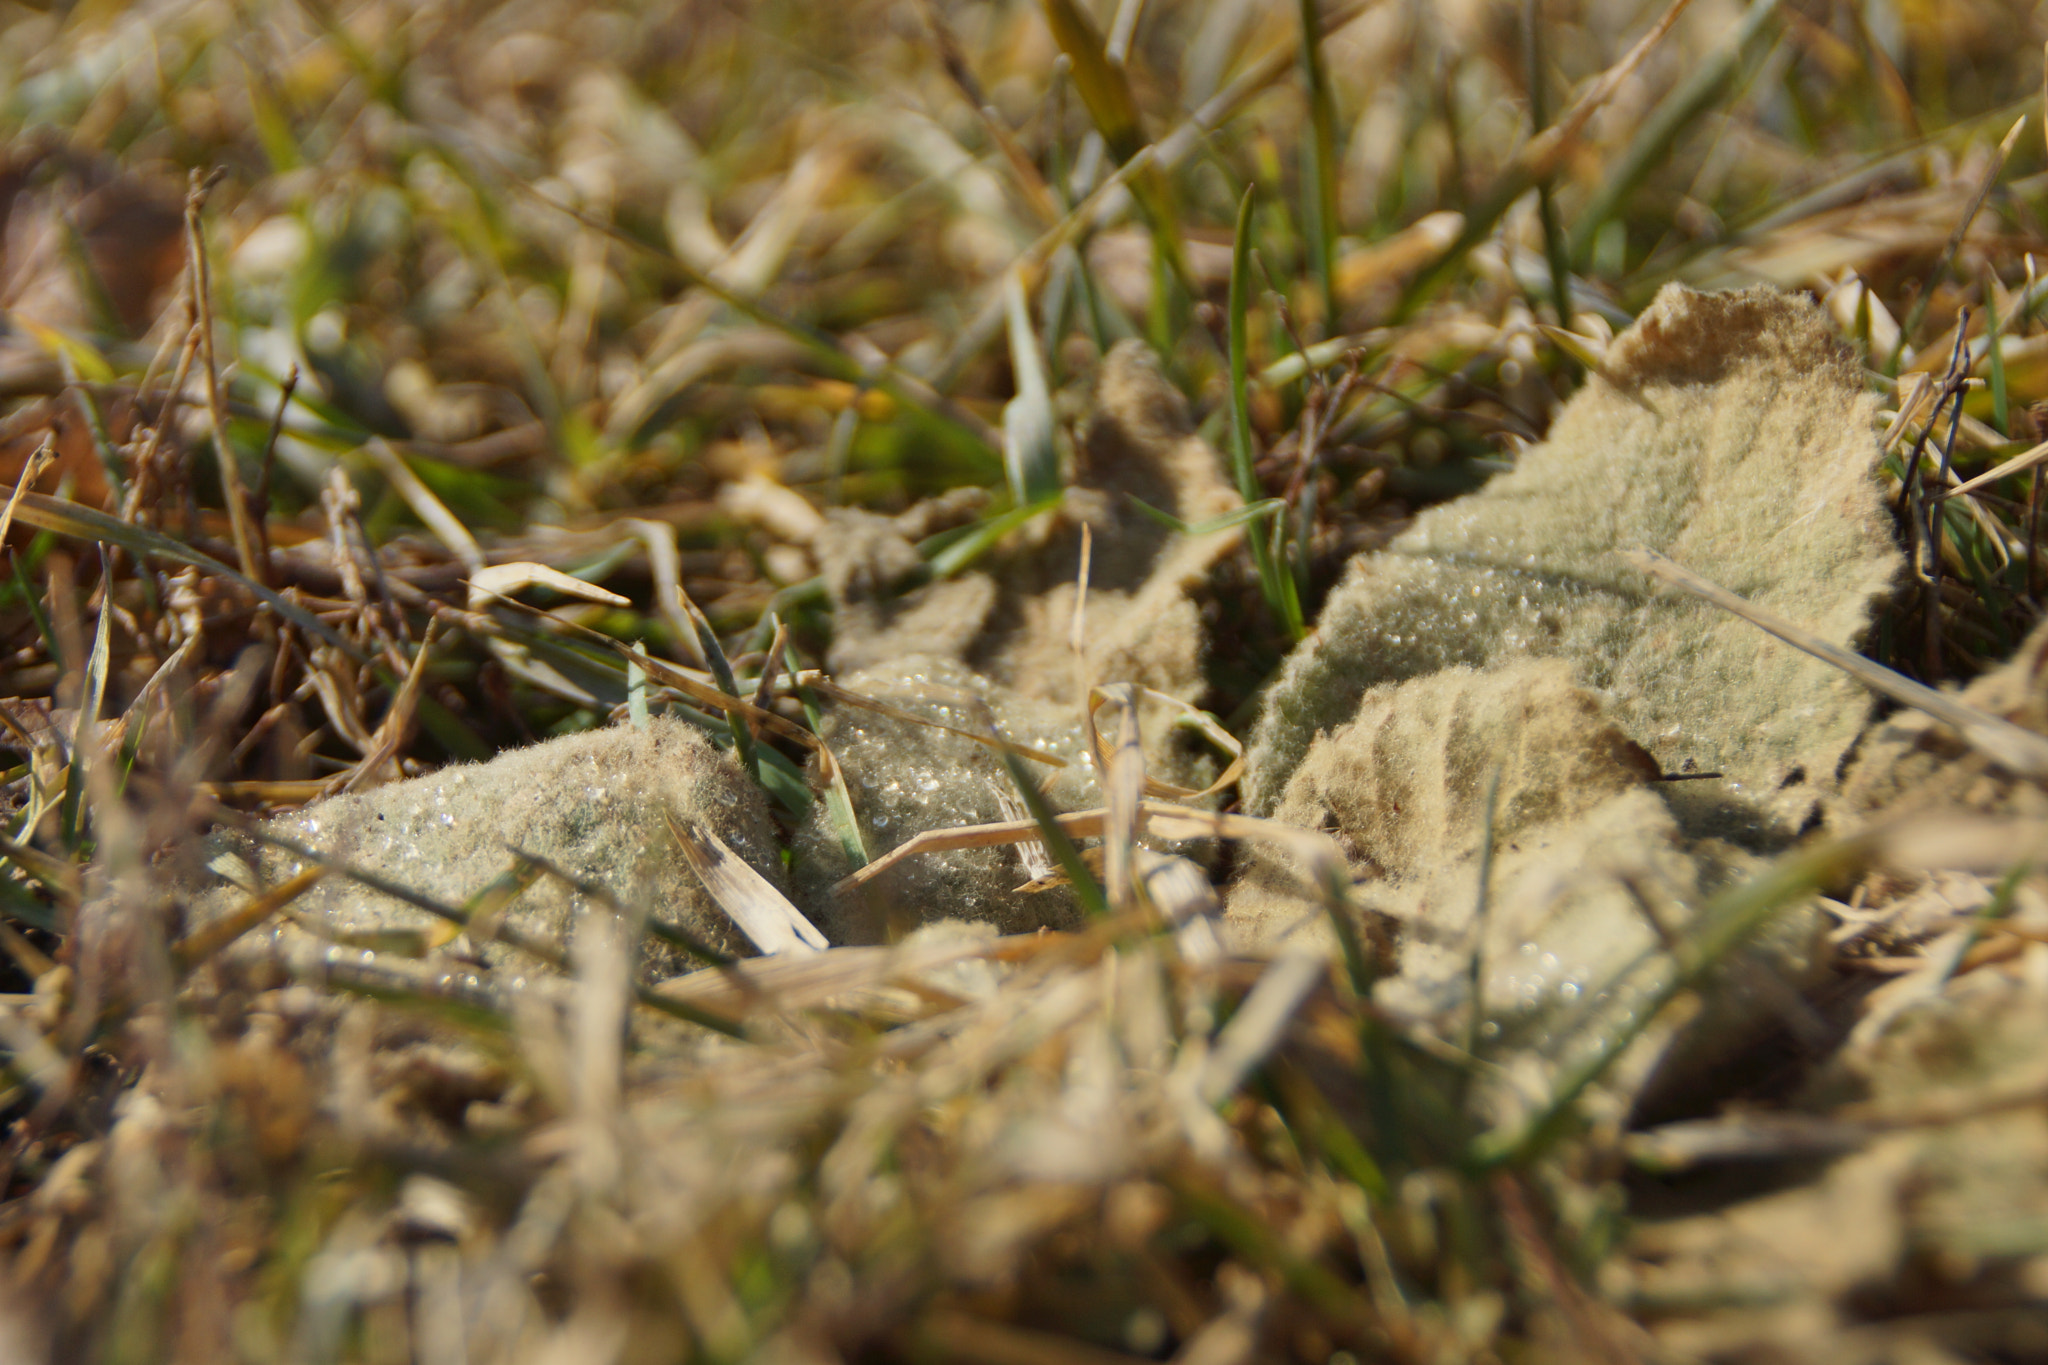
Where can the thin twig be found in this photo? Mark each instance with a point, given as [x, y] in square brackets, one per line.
[233, 490]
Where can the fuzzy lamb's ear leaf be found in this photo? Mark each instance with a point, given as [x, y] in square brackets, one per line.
[1729, 431]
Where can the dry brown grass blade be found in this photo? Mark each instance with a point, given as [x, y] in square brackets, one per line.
[2020, 751]
[1123, 787]
[824, 686]
[204, 942]
[1259, 1023]
[428, 508]
[664, 566]
[2015, 465]
[762, 913]
[1211, 729]
[1547, 150]
[333, 679]
[44, 456]
[1324, 860]
[379, 763]
[500, 581]
[1920, 390]
[1086, 824]
[234, 492]
[800, 982]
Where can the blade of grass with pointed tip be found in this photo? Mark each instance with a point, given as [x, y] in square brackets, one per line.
[1581, 349]
[1319, 157]
[1556, 249]
[1710, 79]
[2000, 417]
[749, 900]
[1106, 91]
[957, 554]
[721, 669]
[1242, 516]
[84, 742]
[1240, 415]
[1031, 456]
[203, 942]
[1727, 921]
[84, 523]
[1087, 890]
[838, 800]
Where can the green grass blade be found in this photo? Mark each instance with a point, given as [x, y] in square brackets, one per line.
[636, 696]
[959, 553]
[84, 523]
[721, 671]
[102, 444]
[1725, 923]
[92, 694]
[1031, 456]
[1709, 82]
[1240, 415]
[1556, 247]
[2000, 415]
[1257, 511]
[1319, 156]
[1277, 593]
[30, 600]
[838, 800]
[1086, 889]
[1106, 91]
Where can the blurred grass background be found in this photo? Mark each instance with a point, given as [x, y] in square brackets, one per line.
[581, 265]
[636, 291]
